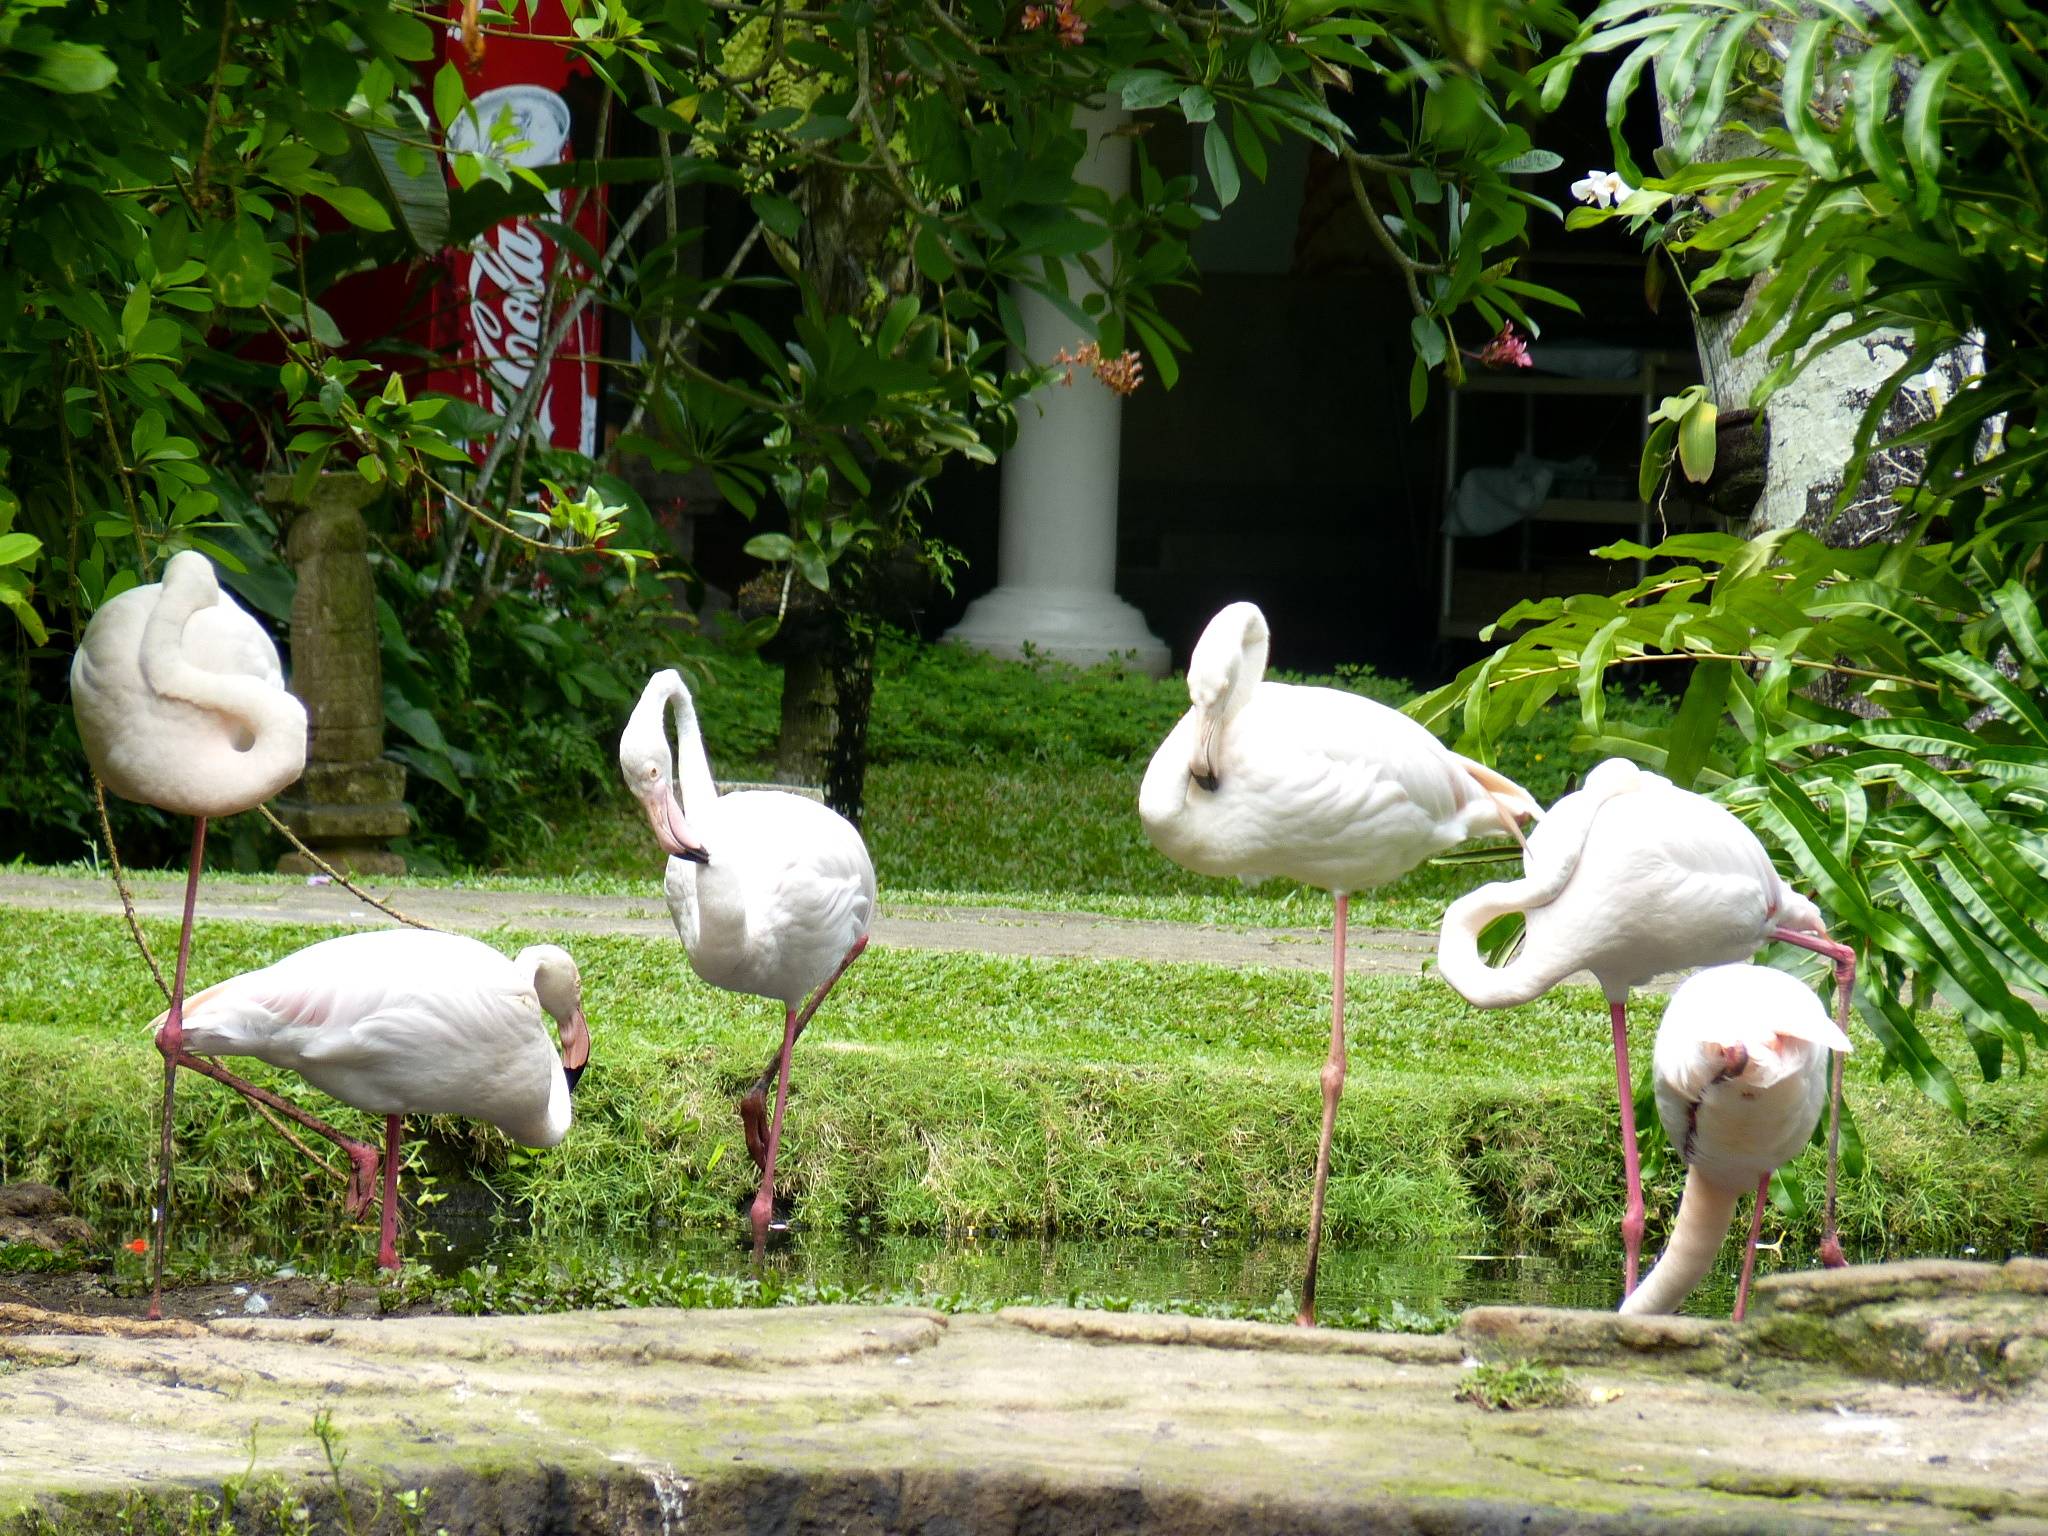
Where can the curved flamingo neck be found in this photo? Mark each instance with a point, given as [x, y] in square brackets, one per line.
[693, 766]
[1697, 1231]
[270, 718]
[1525, 977]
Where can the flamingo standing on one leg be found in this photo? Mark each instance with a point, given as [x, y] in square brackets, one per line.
[401, 1022]
[1628, 878]
[1266, 779]
[775, 900]
[1741, 1069]
[181, 704]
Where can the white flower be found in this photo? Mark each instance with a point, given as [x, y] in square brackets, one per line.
[1604, 189]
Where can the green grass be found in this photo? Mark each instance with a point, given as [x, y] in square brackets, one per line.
[955, 1093]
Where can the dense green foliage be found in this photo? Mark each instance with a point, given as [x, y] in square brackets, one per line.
[1890, 698]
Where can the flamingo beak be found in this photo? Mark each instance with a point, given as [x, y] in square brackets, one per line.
[671, 831]
[1734, 1062]
[1202, 761]
[575, 1048]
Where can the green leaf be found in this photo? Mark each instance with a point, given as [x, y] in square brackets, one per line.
[1809, 42]
[778, 215]
[1197, 105]
[72, 69]
[1698, 718]
[17, 547]
[1531, 162]
[451, 100]
[1141, 89]
[1656, 459]
[1922, 129]
[1427, 334]
[401, 36]
[2022, 617]
[1263, 64]
[419, 197]
[1222, 164]
[1696, 440]
[357, 206]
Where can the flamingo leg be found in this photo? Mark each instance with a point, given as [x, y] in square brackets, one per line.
[764, 1201]
[362, 1178]
[171, 1041]
[1631, 1163]
[387, 1242]
[1845, 982]
[1756, 1230]
[1333, 1088]
[754, 1105]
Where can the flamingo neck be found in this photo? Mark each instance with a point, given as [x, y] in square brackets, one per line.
[1696, 1235]
[1525, 977]
[693, 767]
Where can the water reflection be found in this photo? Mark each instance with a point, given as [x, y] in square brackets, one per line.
[1236, 1274]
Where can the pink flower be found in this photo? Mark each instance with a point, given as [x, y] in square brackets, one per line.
[1033, 18]
[1507, 350]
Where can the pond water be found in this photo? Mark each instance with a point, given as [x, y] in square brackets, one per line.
[1234, 1275]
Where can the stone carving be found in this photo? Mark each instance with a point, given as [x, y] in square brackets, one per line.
[352, 798]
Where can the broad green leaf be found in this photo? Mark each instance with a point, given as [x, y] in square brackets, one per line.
[72, 69]
[1696, 441]
[1903, 1043]
[1809, 44]
[1921, 124]
[1221, 163]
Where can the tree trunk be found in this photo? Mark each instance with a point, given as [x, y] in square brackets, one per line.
[1810, 424]
[827, 691]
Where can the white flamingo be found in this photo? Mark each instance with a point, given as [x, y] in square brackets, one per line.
[1266, 779]
[181, 704]
[406, 1022]
[772, 893]
[1741, 1070]
[1628, 878]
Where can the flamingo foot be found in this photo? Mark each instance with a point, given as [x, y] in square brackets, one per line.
[364, 1174]
[754, 1124]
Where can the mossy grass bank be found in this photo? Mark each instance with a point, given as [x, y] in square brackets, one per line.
[956, 1093]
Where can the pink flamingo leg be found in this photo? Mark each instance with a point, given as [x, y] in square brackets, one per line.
[1756, 1230]
[362, 1179]
[171, 1041]
[387, 1243]
[1632, 1217]
[1333, 1088]
[762, 1146]
[1845, 982]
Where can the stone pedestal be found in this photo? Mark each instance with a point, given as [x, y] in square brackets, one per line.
[1056, 560]
[351, 798]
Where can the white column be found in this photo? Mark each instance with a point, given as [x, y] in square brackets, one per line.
[1056, 560]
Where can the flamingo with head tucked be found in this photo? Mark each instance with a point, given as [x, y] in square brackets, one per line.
[181, 704]
[1741, 1070]
[1628, 878]
[407, 1022]
[772, 893]
[1263, 779]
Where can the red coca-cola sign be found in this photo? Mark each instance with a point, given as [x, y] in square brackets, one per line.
[512, 282]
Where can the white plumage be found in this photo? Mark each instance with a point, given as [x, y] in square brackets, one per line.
[406, 1022]
[1263, 779]
[181, 704]
[1628, 878]
[180, 700]
[1309, 784]
[1741, 1074]
[772, 893]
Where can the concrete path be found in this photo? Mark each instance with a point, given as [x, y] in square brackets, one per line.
[859, 1420]
[979, 930]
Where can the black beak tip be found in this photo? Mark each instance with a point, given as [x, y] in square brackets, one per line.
[574, 1075]
[1207, 781]
[696, 856]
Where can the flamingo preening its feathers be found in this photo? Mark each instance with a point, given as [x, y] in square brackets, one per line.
[1267, 779]
[772, 893]
[181, 704]
[400, 1022]
[1741, 1072]
[1628, 878]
